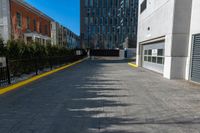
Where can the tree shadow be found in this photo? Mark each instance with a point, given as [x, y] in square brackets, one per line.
[86, 102]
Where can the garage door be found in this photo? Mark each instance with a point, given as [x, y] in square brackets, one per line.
[153, 57]
[195, 72]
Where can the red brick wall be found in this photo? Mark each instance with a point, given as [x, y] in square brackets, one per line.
[25, 12]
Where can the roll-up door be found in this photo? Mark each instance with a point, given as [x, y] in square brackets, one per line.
[153, 56]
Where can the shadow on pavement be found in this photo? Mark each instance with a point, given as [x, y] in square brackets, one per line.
[82, 99]
[87, 100]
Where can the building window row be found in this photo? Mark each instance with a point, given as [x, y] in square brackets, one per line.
[109, 3]
[104, 12]
[28, 24]
[109, 21]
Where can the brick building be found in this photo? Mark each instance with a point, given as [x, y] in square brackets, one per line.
[25, 22]
[20, 20]
[29, 23]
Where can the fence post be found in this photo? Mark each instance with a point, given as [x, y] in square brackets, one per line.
[50, 62]
[36, 66]
[8, 71]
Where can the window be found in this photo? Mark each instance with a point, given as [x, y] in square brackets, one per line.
[96, 3]
[46, 29]
[149, 58]
[93, 12]
[101, 21]
[88, 12]
[86, 3]
[19, 20]
[143, 6]
[154, 59]
[111, 21]
[103, 29]
[28, 23]
[146, 52]
[40, 27]
[91, 20]
[149, 52]
[145, 58]
[160, 60]
[106, 21]
[86, 20]
[34, 25]
[160, 52]
[91, 3]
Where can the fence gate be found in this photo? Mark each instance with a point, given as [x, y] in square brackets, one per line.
[195, 70]
[104, 52]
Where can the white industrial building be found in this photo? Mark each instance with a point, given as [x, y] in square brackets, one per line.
[169, 38]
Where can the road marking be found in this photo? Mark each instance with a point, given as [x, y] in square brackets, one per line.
[133, 65]
[25, 82]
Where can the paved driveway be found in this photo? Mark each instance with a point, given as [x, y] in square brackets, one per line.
[102, 96]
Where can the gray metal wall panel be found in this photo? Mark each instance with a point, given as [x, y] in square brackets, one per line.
[195, 72]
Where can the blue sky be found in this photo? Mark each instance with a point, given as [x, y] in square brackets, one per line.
[66, 12]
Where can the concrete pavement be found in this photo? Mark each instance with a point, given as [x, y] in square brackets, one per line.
[102, 96]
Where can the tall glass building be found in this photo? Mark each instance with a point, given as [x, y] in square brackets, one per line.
[109, 24]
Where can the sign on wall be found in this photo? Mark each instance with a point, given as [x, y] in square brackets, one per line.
[154, 52]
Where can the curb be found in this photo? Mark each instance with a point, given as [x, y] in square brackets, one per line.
[133, 65]
[27, 81]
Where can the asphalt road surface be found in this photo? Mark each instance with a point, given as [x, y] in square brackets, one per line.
[102, 96]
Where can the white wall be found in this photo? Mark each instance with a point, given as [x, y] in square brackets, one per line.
[168, 19]
[54, 33]
[180, 38]
[5, 27]
[194, 29]
[158, 17]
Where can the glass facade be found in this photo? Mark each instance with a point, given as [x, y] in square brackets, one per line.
[107, 23]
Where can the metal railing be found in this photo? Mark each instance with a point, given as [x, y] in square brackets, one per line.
[20, 69]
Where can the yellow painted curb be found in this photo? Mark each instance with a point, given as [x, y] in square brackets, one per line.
[25, 82]
[133, 65]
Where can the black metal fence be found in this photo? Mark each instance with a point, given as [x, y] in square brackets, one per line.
[24, 68]
[3, 76]
[104, 52]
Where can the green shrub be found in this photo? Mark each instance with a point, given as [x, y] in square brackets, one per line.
[17, 49]
[13, 49]
[39, 51]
